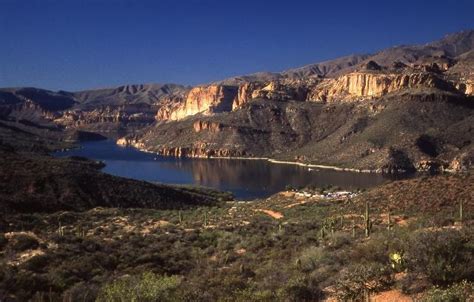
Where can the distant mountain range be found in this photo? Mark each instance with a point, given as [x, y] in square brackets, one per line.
[403, 108]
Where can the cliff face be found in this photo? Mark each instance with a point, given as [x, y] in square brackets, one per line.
[368, 82]
[208, 100]
[466, 87]
[207, 125]
[245, 93]
[366, 85]
[111, 120]
[201, 99]
[282, 91]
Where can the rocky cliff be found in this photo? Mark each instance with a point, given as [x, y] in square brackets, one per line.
[370, 112]
[202, 99]
[335, 112]
[366, 85]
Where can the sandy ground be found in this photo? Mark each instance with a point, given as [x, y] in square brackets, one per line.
[273, 214]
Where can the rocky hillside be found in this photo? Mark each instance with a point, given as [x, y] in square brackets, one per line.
[33, 181]
[110, 111]
[396, 110]
[399, 109]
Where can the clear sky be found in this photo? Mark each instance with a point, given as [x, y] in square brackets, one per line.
[74, 45]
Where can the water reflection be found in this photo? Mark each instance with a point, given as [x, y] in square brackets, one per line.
[245, 178]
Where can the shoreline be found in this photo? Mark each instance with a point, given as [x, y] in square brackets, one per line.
[271, 160]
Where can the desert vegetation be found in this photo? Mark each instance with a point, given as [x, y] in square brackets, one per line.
[314, 249]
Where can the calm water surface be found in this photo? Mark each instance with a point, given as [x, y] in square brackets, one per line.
[247, 179]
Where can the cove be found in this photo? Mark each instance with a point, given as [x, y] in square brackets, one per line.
[246, 179]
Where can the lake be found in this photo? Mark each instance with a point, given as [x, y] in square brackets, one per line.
[247, 179]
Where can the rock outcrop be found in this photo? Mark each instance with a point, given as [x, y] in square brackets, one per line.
[245, 93]
[207, 125]
[141, 113]
[466, 87]
[367, 85]
[212, 99]
[200, 152]
[282, 91]
[202, 99]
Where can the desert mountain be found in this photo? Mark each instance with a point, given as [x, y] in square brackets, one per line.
[403, 108]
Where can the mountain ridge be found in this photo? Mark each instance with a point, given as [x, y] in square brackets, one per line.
[256, 115]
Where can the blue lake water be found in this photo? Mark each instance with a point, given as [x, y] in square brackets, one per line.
[247, 179]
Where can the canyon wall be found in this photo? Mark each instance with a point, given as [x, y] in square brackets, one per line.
[201, 99]
[366, 85]
[140, 113]
[354, 86]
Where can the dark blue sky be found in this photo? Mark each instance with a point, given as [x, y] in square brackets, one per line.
[75, 45]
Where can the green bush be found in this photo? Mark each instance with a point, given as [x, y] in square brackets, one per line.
[252, 295]
[358, 279]
[458, 292]
[444, 256]
[310, 258]
[145, 288]
[300, 289]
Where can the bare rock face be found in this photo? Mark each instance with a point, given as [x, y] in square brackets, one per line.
[211, 99]
[282, 91]
[462, 162]
[466, 87]
[431, 166]
[200, 152]
[139, 113]
[245, 93]
[367, 85]
[213, 127]
[202, 99]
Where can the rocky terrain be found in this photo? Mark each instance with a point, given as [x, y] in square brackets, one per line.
[400, 109]
[31, 180]
[370, 112]
[111, 112]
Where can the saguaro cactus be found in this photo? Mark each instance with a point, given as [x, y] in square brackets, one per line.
[298, 263]
[389, 222]
[353, 228]
[60, 229]
[368, 223]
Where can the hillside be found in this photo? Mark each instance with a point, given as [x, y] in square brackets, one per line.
[289, 247]
[401, 109]
[31, 180]
[394, 110]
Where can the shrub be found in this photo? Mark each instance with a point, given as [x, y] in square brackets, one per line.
[37, 263]
[358, 279]
[444, 256]
[252, 295]
[81, 292]
[3, 240]
[147, 287]
[310, 258]
[339, 240]
[24, 242]
[458, 292]
[300, 289]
